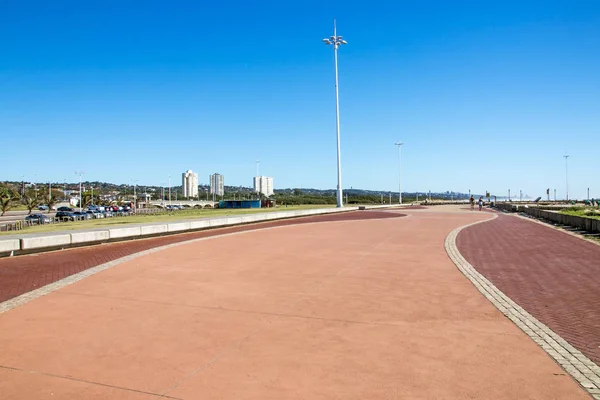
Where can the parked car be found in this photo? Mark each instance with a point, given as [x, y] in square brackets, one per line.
[82, 215]
[95, 213]
[38, 218]
[65, 216]
[43, 207]
[108, 213]
[69, 209]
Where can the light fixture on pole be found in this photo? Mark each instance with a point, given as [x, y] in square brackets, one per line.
[336, 41]
[566, 156]
[80, 173]
[399, 144]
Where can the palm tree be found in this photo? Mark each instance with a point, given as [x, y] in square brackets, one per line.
[30, 200]
[7, 199]
[86, 199]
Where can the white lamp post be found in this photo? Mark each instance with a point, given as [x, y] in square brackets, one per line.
[80, 173]
[134, 196]
[399, 144]
[567, 175]
[336, 41]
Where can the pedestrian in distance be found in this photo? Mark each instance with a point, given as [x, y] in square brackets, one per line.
[480, 203]
[472, 202]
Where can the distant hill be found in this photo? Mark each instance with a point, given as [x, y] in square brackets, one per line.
[106, 187]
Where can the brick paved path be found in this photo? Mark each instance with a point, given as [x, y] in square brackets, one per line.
[352, 310]
[552, 275]
[23, 274]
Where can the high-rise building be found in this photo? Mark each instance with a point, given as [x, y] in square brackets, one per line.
[189, 184]
[217, 184]
[264, 185]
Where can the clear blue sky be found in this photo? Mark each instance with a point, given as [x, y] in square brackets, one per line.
[484, 96]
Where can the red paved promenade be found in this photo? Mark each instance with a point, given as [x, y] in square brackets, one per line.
[552, 275]
[349, 309]
[23, 274]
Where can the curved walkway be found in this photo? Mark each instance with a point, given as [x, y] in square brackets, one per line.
[22, 274]
[367, 309]
[552, 275]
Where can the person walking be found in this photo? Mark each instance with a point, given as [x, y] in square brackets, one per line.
[472, 202]
[480, 203]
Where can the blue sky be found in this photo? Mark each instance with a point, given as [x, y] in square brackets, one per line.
[485, 95]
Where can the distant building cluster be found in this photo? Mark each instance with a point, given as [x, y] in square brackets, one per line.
[263, 185]
[217, 184]
[189, 184]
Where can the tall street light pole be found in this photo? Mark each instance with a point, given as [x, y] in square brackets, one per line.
[567, 174]
[134, 195]
[80, 196]
[336, 41]
[399, 144]
[169, 189]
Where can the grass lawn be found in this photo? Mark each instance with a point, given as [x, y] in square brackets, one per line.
[166, 217]
[20, 207]
[582, 212]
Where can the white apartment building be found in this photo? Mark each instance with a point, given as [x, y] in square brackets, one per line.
[264, 185]
[189, 184]
[217, 184]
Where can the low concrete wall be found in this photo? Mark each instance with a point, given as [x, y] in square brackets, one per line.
[583, 223]
[32, 243]
[89, 237]
[153, 229]
[234, 220]
[125, 232]
[9, 245]
[200, 224]
[178, 226]
[35, 242]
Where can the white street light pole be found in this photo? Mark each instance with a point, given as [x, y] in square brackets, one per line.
[169, 189]
[80, 196]
[567, 174]
[134, 196]
[92, 194]
[399, 144]
[336, 41]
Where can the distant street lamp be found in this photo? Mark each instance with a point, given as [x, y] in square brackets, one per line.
[134, 195]
[399, 144]
[80, 173]
[336, 41]
[567, 174]
[169, 189]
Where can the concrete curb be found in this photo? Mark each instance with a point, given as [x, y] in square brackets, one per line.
[581, 368]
